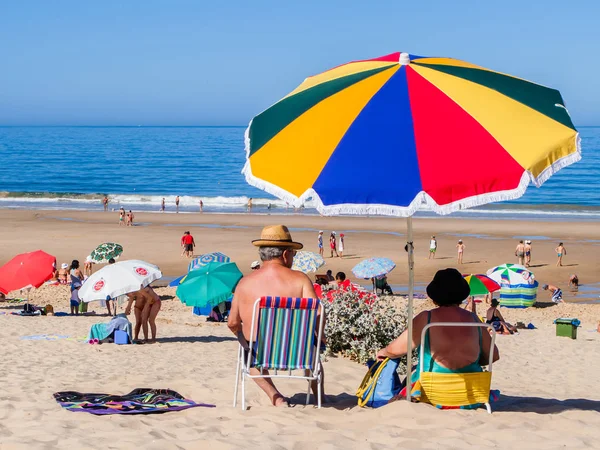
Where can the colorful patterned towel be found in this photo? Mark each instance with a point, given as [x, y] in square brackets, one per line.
[138, 401]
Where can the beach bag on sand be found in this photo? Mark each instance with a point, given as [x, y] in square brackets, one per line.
[380, 384]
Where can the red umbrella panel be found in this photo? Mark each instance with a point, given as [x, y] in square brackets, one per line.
[481, 284]
[27, 270]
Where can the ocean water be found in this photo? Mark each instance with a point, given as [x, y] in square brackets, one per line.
[72, 167]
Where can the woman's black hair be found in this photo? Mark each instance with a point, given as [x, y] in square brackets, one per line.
[341, 276]
[495, 302]
[74, 264]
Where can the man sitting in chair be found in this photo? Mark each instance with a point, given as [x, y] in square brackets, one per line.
[275, 278]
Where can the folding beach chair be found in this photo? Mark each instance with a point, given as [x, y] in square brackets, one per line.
[285, 336]
[456, 390]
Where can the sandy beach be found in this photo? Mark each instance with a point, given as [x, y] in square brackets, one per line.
[549, 395]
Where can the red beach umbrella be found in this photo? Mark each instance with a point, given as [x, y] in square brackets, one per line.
[27, 270]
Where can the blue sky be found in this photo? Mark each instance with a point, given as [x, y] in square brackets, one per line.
[198, 62]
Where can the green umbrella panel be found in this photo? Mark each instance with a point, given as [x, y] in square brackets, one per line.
[209, 285]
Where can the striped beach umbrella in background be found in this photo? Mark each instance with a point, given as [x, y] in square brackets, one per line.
[481, 284]
[518, 286]
[393, 134]
[208, 258]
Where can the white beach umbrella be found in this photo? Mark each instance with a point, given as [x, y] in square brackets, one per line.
[118, 279]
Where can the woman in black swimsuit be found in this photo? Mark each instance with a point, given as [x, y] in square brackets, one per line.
[494, 318]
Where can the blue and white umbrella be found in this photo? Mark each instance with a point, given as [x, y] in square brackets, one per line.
[373, 268]
[208, 258]
[307, 262]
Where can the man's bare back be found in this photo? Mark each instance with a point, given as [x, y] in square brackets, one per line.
[272, 279]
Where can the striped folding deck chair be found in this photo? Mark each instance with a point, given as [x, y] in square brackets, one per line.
[285, 337]
[455, 390]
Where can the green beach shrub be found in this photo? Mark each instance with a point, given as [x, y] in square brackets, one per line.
[358, 327]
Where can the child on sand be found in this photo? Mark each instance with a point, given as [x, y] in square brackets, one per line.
[555, 291]
[432, 247]
[460, 247]
[320, 242]
[333, 244]
[560, 252]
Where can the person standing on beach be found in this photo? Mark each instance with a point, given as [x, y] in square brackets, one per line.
[249, 205]
[162, 205]
[432, 247]
[130, 218]
[105, 203]
[341, 245]
[188, 244]
[201, 206]
[121, 216]
[560, 252]
[527, 253]
[520, 252]
[333, 244]
[460, 247]
[177, 203]
[320, 242]
[87, 266]
[109, 300]
[275, 278]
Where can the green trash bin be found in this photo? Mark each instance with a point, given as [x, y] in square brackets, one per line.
[567, 327]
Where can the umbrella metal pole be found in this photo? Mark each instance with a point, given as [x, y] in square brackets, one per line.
[409, 314]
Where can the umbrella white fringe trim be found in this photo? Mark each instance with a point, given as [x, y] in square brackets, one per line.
[420, 199]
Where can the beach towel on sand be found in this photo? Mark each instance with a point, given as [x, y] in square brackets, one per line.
[138, 401]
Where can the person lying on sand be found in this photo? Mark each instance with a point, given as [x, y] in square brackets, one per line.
[275, 278]
[446, 349]
[495, 319]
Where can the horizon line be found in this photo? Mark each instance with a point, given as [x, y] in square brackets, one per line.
[166, 126]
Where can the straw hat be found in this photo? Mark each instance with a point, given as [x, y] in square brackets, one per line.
[276, 236]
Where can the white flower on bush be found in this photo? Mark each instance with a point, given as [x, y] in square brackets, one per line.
[358, 325]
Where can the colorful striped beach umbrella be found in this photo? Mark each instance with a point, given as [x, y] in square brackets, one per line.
[518, 285]
[208, 258]
[391, 134]
[481, 284]
[506, 274]
[457, 135]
